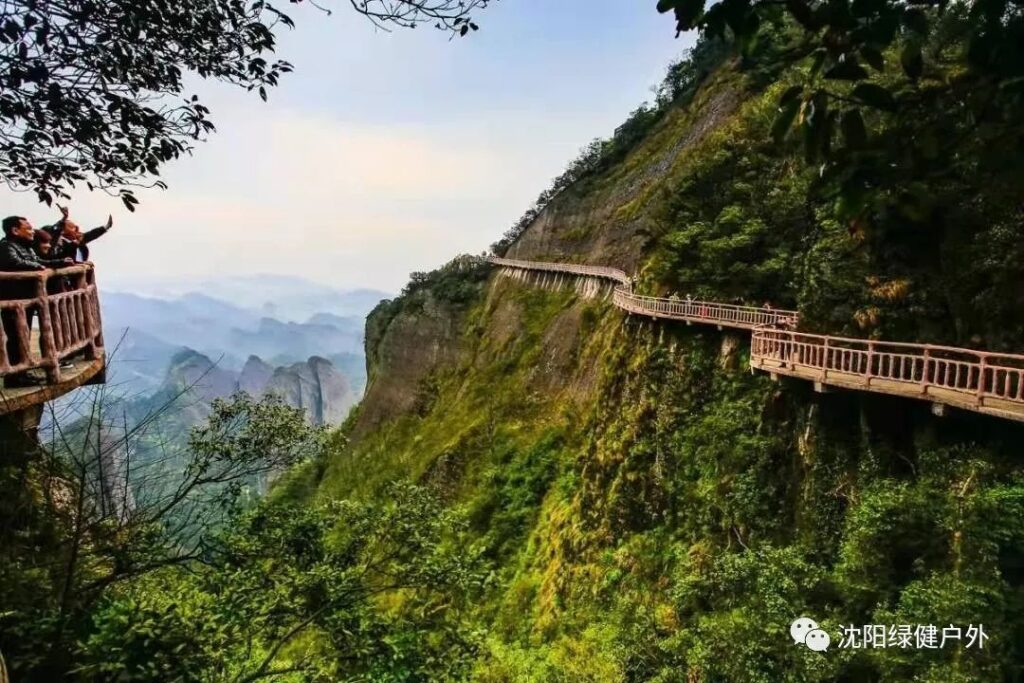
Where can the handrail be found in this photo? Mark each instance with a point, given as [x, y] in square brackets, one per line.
[674, 308]
[67, 304]
[983, 381]
[728, 315]
[571, 268]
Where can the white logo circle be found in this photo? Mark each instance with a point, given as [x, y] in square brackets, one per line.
[801, 627]
[818, 640]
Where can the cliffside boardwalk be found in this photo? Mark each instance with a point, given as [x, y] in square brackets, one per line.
[990, 383]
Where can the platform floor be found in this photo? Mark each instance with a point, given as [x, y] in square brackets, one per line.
[19, 398]
[941, 395]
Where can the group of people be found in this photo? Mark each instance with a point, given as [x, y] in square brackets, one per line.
[61, 244]
[24, 248]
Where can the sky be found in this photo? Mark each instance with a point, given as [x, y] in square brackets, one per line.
[383, 153]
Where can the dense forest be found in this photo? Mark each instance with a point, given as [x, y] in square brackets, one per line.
[537, 488]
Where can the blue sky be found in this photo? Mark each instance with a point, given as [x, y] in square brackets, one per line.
[385, 153]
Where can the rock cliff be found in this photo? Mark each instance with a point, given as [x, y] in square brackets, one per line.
[316, 387]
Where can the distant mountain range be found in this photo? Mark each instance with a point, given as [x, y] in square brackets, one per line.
[171, 353]
[143, 333]
[283, 297]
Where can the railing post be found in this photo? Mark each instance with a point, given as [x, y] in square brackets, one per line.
[824, 360]
[94, 318]
[924, 371]
[979, 397]
[47, 347]
[871, 362]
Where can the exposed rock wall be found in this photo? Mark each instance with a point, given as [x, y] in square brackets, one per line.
[316, 387]
[255, 375]
[414, 343]
[609, 222]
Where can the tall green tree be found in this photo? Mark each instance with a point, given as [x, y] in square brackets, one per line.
[894, 96]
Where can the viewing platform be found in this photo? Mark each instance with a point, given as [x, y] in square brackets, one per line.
[51, 340]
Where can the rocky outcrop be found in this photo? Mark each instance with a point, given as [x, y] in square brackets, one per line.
[255, 375]
[316, 387]
[403, 352]
[200, 376]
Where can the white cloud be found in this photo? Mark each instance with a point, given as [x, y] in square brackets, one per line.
[345, 203]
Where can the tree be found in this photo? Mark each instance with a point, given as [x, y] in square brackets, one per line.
[91, 518]
[92, 91]
[338, 591]
[893, 93]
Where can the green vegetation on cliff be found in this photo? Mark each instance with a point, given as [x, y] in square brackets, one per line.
[654, 512]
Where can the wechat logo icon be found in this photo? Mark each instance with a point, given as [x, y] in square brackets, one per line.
[805, 631]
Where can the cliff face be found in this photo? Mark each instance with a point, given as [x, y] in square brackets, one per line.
[610, 220]
[410, 338]
[254, 376]
[200, 375]
[654, 511]
[316, 387]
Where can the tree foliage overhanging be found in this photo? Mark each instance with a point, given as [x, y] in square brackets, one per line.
[93, 92]
[876, 73]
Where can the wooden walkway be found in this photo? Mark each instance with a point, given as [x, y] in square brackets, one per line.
[990, 383]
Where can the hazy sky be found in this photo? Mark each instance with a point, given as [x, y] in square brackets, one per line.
[384, 153]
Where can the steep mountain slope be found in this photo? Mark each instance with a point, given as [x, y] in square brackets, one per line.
[653, 510]
[254, 375]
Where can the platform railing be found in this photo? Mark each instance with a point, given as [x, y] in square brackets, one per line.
[713, 312]
[709, 312]
[65, 305]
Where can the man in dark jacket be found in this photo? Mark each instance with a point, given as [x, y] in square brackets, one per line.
[68, 239]
[17, 253]
[17, 250]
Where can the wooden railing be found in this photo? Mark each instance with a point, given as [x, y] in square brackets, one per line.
[991, 383]
[979, 380]
[674, 308]
[66, 304]
[708, 312]
[570, 268]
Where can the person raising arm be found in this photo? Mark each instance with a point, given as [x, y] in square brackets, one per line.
[70, 241]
